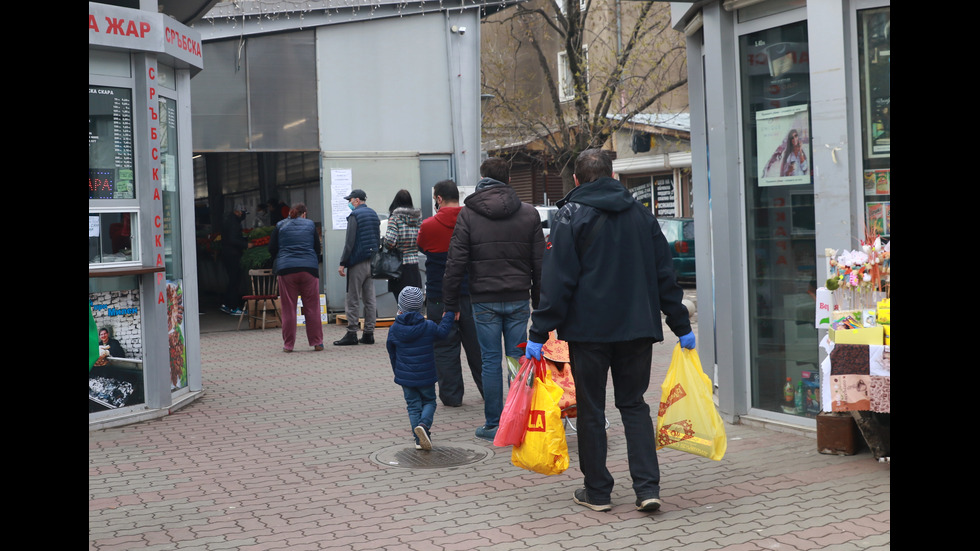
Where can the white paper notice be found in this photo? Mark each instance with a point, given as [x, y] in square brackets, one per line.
[93, 226]
[340, 187]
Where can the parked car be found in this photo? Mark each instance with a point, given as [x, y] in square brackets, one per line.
[547, 214]
[680, 237]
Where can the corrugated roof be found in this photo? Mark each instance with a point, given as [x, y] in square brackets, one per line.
[237, 8]
[673, 121]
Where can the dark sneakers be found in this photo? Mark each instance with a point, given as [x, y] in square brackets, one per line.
[486, 433]
[349, 339]
[367, 338]
[648, 505]
[582, 498]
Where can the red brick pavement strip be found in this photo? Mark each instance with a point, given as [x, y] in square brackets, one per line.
[276, 455]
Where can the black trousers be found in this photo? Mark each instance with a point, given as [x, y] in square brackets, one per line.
[449, 368]
[630, 363]
[410, 278]
[232, 296]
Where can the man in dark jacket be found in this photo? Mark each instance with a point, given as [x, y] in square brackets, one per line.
[608, 275]
[433, 241]
[499, 243]
[363, 238]
[233, 244]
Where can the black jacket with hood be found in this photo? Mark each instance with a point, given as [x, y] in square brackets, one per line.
[615, 290]
[499, 242]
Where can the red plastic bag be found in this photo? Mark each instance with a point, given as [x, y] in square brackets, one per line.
[513, 418]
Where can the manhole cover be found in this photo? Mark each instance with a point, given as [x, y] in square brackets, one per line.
[439, 456]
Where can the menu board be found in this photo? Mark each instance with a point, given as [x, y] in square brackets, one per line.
[110, 143]
[664, 202]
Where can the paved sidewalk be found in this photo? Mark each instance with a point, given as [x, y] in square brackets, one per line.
[281, 454]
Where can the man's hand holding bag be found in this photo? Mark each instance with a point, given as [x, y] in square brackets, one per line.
[688, 420]
[513, 418]
[544, 449]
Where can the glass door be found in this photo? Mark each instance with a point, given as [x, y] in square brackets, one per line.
[781, 251]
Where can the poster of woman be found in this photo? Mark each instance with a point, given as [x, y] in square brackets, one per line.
[783, 146]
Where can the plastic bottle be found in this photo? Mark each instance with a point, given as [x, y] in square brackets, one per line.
[800, 400]
[789, 395]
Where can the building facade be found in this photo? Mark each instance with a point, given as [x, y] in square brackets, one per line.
[379, 96]
[790, 110]
[142, 271]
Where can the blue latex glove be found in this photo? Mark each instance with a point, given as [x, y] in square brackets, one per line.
[687, 341]
[533, 350]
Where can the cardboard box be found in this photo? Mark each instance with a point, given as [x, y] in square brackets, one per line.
[862, 335]
[301, 319]
[271, 320]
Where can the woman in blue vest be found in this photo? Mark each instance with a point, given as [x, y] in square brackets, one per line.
[295, 246]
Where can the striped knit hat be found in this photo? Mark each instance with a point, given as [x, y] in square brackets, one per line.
[411, 299]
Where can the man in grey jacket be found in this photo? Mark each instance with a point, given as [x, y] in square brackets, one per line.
[499, 242]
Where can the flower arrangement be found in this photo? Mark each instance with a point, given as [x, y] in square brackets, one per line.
[857, 278]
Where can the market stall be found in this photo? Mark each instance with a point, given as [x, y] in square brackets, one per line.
[855, 308]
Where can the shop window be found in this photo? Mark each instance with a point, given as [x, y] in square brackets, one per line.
[113, 230]
[566, 82]
[113, 237]
[874, 56]
[169, 180]
[110, 143]
[781, 254]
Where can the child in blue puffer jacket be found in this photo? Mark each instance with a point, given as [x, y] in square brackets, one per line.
[409, 345]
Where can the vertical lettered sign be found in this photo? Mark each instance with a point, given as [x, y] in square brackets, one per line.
[156, 203]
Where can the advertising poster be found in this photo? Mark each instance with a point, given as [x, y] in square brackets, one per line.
[115, 379]
[175, 335]
[875, 35]
[664, 204]
[878, 182]
[878, 214]
[784, 146]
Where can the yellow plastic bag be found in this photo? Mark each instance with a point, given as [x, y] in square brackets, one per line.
[544, 449]
[687, 420]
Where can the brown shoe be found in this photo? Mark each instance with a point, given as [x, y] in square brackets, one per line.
[318, 348]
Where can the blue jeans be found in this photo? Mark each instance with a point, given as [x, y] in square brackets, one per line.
[494, 319]
[420, 401]
[630, 363]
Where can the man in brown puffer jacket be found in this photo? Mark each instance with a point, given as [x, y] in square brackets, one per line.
[498, 240]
